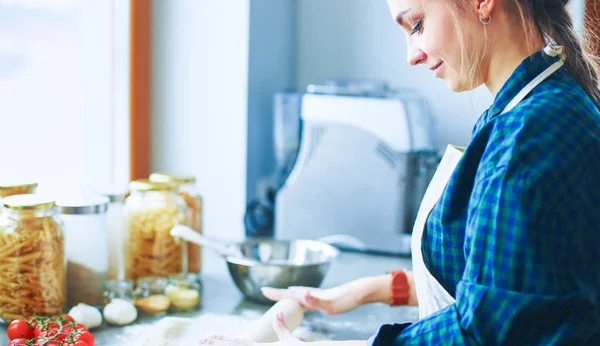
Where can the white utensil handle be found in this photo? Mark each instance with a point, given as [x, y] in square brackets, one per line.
[189, 234]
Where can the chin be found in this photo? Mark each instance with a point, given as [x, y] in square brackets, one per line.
[456, 86]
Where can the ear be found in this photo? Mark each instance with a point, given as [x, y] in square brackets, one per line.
[486, 7]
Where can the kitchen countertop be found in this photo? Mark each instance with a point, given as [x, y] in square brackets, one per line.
[221, 296]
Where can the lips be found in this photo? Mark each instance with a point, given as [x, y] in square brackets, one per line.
[434, 67]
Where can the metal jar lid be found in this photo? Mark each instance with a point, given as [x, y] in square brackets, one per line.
[28, 202]
[148, 185]
[114, 194]
[173, 178]
[17, 185]
[82, 205]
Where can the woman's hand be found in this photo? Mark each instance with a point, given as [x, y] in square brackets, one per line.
[283, 334]
[339, 299]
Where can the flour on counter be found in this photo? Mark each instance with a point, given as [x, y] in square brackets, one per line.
[175, 331]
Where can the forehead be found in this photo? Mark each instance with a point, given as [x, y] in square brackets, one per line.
[397, 6]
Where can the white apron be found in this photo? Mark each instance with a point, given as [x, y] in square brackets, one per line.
[431, 295]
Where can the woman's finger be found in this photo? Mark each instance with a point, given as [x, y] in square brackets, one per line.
[295, 292]
[274, 294]
[280, 328]
[319, 304]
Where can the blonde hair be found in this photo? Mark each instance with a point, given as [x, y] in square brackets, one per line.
[551, 20]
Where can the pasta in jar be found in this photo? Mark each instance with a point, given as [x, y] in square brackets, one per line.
[193, 203]
[32, 258]
[151, 211]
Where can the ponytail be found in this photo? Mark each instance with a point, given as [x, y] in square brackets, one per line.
[554, 21]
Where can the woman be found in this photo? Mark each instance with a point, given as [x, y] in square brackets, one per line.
[509, 246]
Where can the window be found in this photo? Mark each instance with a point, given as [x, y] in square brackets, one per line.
[64, 95]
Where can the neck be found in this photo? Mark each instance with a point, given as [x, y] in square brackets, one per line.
[505, 58]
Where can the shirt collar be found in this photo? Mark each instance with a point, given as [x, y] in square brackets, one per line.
[529, 68]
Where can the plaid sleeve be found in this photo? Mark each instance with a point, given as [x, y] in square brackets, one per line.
[525, 280]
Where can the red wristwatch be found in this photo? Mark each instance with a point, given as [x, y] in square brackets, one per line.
[399, 288]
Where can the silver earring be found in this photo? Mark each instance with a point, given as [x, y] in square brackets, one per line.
[485, 22]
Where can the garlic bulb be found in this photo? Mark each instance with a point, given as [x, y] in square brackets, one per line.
[120, 312]
[87, 315]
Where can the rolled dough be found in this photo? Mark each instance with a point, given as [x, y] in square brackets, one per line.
[263, 330]
[175, 331]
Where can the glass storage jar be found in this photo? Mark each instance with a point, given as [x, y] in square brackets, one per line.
[32, 259]
[193, 200]
[149, 296]
[14, 188]
[86, 233]
[184, 290]
[116, 231]
[118, 289]
[151, 211]
[10, 189]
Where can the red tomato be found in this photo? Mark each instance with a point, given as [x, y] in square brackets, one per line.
[68, 330]
[77, 343]
[19, 329]
[81, 328]
[87, 337]
[33, 322]
[50, 330]
[17, 342]
[67, 319]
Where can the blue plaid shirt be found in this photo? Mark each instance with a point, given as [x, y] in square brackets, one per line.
[515, 237]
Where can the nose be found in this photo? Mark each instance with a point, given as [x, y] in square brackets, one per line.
[416, 56]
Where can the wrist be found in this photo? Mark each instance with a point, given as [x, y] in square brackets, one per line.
[398, 289]
[378, 289]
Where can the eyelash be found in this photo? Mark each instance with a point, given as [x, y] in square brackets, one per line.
[417, 28]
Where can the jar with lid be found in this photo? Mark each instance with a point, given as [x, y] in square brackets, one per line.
[116, 218]
[86, 234]
[32, 259]
[184, 290]
[118, 289]
[151, 211]
[193, 200]
[149, 296]
[15, 188]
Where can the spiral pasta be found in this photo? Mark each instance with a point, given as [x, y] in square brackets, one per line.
[150, 249]
[32, 268]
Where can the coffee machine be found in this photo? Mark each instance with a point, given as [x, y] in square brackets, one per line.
[365, 155]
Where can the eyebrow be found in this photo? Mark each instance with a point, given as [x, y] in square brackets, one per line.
[401, 14]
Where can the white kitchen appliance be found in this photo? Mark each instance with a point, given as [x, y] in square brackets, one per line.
[366, 156]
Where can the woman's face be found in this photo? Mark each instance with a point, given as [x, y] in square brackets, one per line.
[433, 40]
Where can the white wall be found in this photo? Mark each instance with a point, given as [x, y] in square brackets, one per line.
[200, 101]
[358, 38]
[271, 69]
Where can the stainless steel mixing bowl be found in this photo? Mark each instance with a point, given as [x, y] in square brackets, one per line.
[280, 264]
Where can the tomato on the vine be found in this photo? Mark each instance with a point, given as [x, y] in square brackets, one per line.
[81, 327]
[17, 342]
[66, 319]
[60, 330]
[19, 329]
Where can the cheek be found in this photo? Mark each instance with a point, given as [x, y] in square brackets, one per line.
[440, 40]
